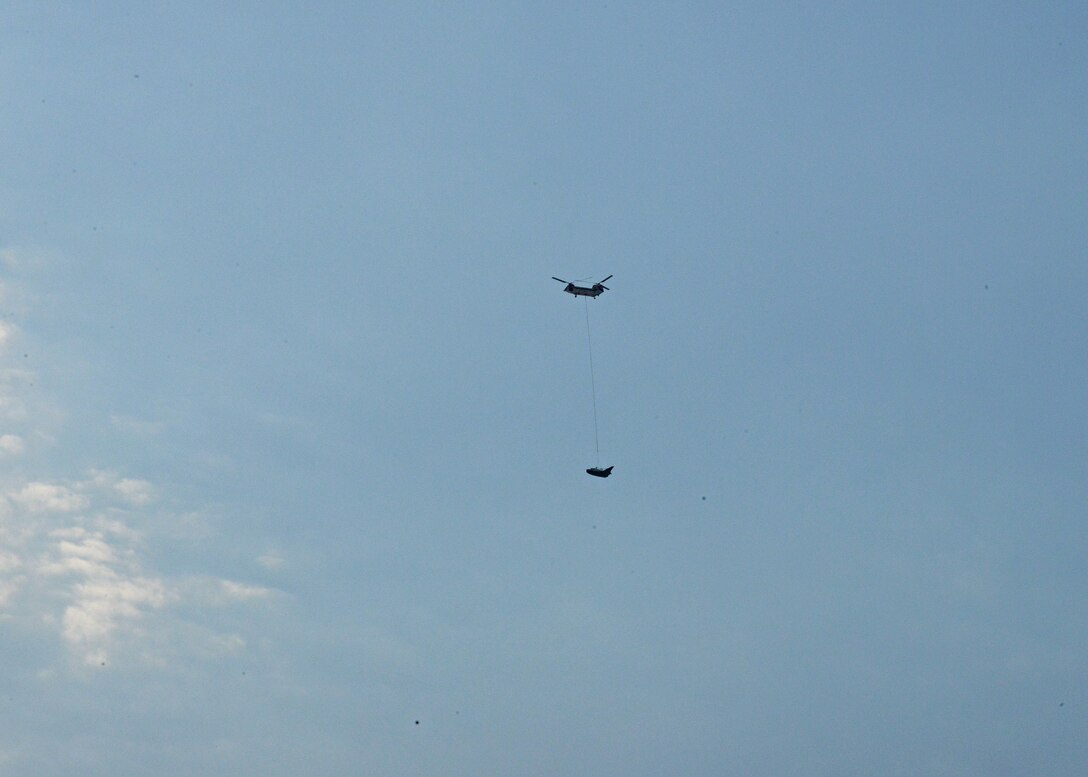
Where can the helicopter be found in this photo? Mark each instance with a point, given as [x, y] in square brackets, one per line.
[594, 291]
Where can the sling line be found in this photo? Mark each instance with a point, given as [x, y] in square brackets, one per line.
[592, 384]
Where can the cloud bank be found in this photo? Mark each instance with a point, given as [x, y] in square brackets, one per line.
[73, 558]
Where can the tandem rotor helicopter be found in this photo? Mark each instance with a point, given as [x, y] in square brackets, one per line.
[596, 290]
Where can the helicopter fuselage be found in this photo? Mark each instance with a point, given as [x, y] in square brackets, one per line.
[585, 291]
[596, 290]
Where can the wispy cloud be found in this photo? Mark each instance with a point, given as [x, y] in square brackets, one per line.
[37, 497]
[133, 491]
[271, 560]
[241, 592]
[71, 557]
[11, 444]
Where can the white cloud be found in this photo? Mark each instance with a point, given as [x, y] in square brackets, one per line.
[38, 497]
[135, 492]
[271, 560]
[71, 561]
[221, 592]
[93, 549]
[242, 592]
[109, 485]
[11, 444]
[226, 643]
[101, 601]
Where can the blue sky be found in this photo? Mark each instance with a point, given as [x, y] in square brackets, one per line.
[294, 422]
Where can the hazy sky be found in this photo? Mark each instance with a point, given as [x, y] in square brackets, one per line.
[294, 421]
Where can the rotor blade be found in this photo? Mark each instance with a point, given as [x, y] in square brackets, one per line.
[604, 279]
[604, 287]
[559, 279]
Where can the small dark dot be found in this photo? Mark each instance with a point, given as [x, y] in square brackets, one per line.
[417, 722]
[704, 498]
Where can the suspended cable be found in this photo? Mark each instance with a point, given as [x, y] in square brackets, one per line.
[592, 384]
